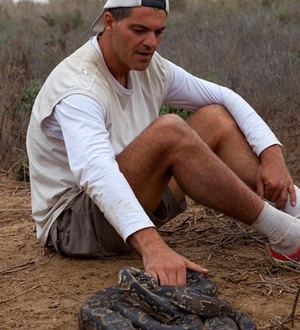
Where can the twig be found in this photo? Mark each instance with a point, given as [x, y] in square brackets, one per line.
[4, 171]
[15, 210]
[17, 268]
[289, 268]
[177, 228]
[20, 294]
[290, 279]
[291, 316]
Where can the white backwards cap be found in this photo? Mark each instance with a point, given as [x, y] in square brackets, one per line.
[98, 25]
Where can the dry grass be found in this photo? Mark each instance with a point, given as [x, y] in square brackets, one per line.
[249, 46]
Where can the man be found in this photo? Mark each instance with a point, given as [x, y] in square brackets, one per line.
[106, 170]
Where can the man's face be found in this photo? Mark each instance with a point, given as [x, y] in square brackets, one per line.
[135, 39]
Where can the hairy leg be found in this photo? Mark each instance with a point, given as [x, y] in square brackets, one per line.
[170, 148]
[219, 131]
[202, 166]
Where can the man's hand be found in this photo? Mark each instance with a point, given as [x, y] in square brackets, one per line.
[274, 181]
[161, 262]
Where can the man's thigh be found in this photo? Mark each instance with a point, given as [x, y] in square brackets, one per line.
[218, 129]
[146, 162]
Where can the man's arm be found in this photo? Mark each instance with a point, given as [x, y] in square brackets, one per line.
[92, 161]
[192, 93]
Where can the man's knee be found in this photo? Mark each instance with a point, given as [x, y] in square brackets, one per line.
[170, 127]
[169, 121]
[213, 115]
[212, 123]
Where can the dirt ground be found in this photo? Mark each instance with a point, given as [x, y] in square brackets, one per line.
[41, 290]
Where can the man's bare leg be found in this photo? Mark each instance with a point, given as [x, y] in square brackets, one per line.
[170, 150]
[169, 147]
[267, 175]
[220, 132]
[218, 129]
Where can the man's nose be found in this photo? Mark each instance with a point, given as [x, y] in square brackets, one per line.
[151, 40]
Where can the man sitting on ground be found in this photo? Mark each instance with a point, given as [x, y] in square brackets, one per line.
[106, 170]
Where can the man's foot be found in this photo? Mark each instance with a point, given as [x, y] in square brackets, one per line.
[291, 260]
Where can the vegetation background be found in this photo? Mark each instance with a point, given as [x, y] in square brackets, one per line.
[251, 46]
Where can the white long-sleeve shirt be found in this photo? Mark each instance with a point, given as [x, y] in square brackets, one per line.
[79, 121]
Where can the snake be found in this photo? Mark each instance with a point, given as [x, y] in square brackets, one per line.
[139, 302]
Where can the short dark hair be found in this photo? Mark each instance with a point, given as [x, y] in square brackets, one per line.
[120, 13]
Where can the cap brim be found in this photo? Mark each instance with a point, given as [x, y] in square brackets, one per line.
[98, 25]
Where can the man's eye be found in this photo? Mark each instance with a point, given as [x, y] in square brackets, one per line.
[138, 30]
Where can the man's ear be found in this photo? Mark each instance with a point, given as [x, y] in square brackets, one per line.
[108, 21]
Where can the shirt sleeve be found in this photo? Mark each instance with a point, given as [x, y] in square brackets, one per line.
[79, 121]
[191, 93]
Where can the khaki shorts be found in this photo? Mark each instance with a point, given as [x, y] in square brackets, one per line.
[82, 230]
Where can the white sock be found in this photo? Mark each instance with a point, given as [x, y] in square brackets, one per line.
[282, 230]
[293, 210]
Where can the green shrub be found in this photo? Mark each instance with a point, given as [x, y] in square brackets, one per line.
[21, 170]
[177, 4]
[28, 96]
[165, 108]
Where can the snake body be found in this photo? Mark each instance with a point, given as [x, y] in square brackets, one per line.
[139, 302]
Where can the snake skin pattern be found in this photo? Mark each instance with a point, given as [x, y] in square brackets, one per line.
[138, 302]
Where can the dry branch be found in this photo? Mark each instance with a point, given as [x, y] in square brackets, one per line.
[291, 317]
[17, 268]
[20, 294]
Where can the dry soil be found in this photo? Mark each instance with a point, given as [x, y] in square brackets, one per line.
[43, 291]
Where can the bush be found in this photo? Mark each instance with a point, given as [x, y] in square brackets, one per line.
[165, 108]
[250, 46]
[20, 170]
